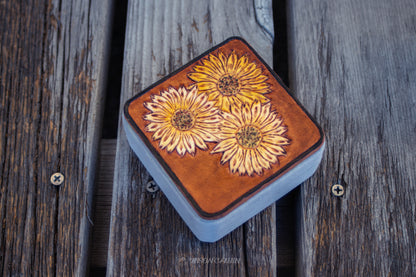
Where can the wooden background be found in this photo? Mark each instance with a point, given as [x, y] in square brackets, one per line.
[351, 63]
[53, 64]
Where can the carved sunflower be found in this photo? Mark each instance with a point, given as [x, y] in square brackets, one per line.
[252, 138]
[230, 81]
[182, 119]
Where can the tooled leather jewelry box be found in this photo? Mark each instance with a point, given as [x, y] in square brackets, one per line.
[223, 138]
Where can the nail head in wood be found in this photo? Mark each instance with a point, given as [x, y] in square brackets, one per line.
[338, 190]
[57, 179]
[152, 187]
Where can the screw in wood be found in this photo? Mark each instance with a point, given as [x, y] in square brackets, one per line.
[152, 187]
[338, 190]
[57, 179]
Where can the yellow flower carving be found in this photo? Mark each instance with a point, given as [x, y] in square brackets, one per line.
[230, 81]
[182, 119]
[252, 138]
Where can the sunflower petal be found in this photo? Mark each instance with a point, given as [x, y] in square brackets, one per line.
[235, 102]
[208, 114]
[169, 140]
[257, 80]
[170, 99]
[189, 143]
[248, 162]
[276, 132]
[213, 66]
[193, 89]
[225, 104]
[256, 165]
[206, 85]
[242, 169]
[229, 122]
[229, 154]
[174, 93]
[236, 160]
[275, 138]
[255, 87]
[152, 107]
[213, 73]
[181, 149]
[213, 94]
[281, 130]
[207, 106]
[241, 65]
[266, 154]
[274, 149]
[251, 73]
[249, 68]
[160, 101]
[160, 131]
[255, 110]
[199, 142]
[246, 113]
[218, 64]
[268, 121]
[254, 97]
[153, 126]
[225, 145]
[207, 121]
[199, 77]
[236, 112]
[231, 62]
[223, 62]
[261, 161]
[201, 99]
[257, 95]
[206, 136]
[272, 125]
[223, 135]
[264, 113]
[189, 100]
[156, 117]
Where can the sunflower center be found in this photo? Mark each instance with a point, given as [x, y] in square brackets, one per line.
[248, 137]
[228, 85]
[183, 120]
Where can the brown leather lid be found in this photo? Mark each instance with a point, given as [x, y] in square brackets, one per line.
[213, 187]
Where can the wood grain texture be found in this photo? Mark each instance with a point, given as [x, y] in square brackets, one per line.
[102, 203]
[147, 236]
[352, 63]
[52, 66]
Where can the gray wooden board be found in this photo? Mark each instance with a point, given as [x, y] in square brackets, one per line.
[52, 67]
[353, 65]
[147, 236]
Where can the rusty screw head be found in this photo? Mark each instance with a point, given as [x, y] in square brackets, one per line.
[152, 187]
[57, 179]
[338, 190]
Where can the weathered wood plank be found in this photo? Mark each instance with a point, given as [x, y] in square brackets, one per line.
[147, 236]
[52, 66]
[353, 65]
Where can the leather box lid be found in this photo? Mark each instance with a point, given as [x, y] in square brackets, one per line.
[223, 126]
